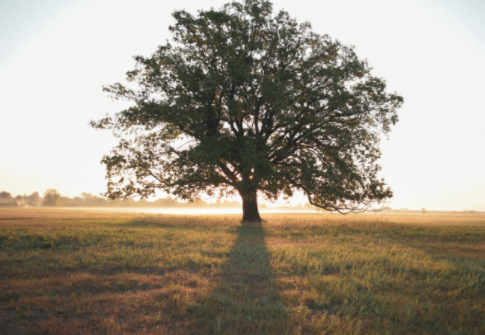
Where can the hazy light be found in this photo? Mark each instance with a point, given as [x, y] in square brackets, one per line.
[55, 58]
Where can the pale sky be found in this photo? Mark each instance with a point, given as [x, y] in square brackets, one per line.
[55, 56]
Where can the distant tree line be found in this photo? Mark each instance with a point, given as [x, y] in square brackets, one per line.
[52, 197]
[6, 199]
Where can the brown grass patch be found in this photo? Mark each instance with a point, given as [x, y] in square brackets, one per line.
[279, 242]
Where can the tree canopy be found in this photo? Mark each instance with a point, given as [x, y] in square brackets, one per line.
[245, 100]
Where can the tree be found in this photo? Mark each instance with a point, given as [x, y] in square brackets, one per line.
[33, 199]
[245, 101]
[5, 195]
[6, 199]
[51, 197]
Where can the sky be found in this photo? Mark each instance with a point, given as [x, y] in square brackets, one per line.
[55, 56]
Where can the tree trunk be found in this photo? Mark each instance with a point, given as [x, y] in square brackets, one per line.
[250, 206]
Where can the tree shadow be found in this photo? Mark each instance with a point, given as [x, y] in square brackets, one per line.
[245, 299]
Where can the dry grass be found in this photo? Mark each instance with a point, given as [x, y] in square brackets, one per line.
[79, 272]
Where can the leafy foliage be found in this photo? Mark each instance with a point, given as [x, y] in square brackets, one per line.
[246, 100]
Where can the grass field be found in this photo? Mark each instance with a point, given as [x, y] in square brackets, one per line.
[81, 272]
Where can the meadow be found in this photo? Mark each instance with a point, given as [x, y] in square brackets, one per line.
[81, 272]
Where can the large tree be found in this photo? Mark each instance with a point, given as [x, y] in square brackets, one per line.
[247, 101]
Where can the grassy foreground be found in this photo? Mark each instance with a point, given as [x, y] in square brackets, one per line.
[79, 272]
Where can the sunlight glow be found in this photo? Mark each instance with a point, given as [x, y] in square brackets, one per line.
[56, 57]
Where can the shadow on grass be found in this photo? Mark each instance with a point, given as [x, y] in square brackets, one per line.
[244, 301]
[235, 297]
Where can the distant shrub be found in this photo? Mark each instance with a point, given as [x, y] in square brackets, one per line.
[7, 202]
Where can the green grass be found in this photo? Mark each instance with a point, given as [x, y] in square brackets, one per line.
[64, 272]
